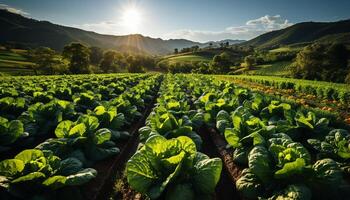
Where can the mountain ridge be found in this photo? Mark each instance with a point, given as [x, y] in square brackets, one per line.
[300, 33]
[23, 30]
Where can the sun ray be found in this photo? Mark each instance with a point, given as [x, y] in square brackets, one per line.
[131, 19]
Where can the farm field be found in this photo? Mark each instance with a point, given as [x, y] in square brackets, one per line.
[164, 136]
[174, 100]
[325, 97]
[14, 63]
[273, 69]
[186, 58]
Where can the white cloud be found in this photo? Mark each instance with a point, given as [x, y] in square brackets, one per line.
[13, 10]
[269, 22]
[251, 29]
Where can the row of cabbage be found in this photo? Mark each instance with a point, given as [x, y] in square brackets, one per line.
[321, 89]
[30, 107]
[169, 164]
[283, 151]
[83, 129]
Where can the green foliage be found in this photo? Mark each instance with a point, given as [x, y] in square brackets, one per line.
[221, 63]
[47, 61]
[108, 61]
[326, 90]
[334, 145]
[10, 131]
[322, 62]
[96, 55]
[248, 184]
[33, 168]
[164, 166]
[293, 192]
[79, 56]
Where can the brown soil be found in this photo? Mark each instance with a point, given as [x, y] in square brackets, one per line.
[226, 154]
[225, 189]
[108, 170]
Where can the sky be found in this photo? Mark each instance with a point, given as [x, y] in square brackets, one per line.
[197, 20]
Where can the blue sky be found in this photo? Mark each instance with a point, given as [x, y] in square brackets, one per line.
[198, 20]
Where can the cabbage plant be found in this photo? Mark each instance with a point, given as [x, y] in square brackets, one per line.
[33, 170]
[173, 169]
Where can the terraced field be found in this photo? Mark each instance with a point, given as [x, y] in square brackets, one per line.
[13, 62]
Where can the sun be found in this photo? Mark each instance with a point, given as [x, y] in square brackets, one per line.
[131, 19]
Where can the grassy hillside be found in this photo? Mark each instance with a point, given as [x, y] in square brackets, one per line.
[29, 32]
[301, 33]
[186, 58]
[286, 49]
[203, 55]
[14, 62]
[272, 69]
[200, 56]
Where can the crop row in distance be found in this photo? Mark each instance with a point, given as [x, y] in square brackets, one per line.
[327, 90]
[311, 95]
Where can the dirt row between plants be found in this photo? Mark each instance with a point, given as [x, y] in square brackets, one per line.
[214, 146]
[101, 188]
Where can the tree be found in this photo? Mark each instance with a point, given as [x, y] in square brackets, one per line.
[249, 61]
[79, 56]
[195, 48]
[134, 66]
[221, 63]
[45, 60]
[96, 55]
[176, 51]
[108, 61]
[326, 62]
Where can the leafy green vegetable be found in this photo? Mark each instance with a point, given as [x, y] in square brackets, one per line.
[36, 168]
[293, 192]
[259, 163]
[161, 163]
[84, 135]
[328, 172]
[292, 157]
[10, 131]
[249, 185]
[336, 144]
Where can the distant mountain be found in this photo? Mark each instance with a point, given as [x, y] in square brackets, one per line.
[19, 29]
[217, 43]
[303, 33]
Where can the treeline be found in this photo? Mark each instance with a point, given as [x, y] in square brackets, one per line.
[195, 48]
[76, 58]
[324, 62]
[317, 61]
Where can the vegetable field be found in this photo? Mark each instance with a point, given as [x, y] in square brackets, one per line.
[326, 97]
[169, 136]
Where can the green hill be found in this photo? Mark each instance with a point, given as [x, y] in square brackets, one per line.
[204, 55]
[303, 33]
